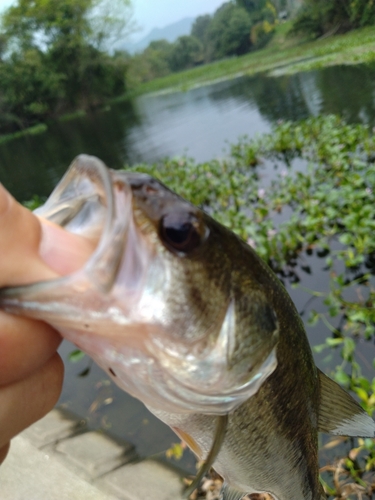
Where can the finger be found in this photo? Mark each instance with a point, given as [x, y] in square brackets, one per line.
[3, 452]
[25, 345]
[26, 401]
[64, 252]
[20, 235]
[40, 250]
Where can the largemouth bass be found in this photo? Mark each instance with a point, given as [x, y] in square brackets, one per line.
[185, 316]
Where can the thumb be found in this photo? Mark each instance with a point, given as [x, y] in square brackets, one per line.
[34, 249]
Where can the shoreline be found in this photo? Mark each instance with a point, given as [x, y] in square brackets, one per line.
[282, 56]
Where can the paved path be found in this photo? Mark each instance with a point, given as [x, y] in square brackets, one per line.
[59, 459]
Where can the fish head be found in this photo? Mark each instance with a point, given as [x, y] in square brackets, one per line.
[168, 303]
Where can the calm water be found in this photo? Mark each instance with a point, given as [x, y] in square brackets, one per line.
[199, 123]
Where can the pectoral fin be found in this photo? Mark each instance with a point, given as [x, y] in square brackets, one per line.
[230, 493]
[340, 414]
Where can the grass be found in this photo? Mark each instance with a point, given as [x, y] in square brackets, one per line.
[282, 55]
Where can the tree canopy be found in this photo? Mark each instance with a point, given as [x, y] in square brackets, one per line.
[53, 59]
[320, 17]
[200, 27]
[186, 52]
[229, 31]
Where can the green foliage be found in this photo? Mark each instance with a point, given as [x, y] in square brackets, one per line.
[152, 63]
[331, 199]
[110, 21]
[319, 17]
[251, 5]
[51, 61]
[29, 90]
[229, 32]
[186, 52]
[200, 28]
[232, 30]
[76, 356]
[161, 58]
[263, 30]
[283, 55]
[176, 451]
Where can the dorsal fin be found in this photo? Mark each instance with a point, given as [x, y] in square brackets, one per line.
[340, 414]
[229, 493]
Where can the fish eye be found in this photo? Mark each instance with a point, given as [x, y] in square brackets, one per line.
[180, 232]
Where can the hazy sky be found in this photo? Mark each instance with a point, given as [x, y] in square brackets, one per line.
[159, 13]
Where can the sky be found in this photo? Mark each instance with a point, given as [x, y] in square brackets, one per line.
[159, 13]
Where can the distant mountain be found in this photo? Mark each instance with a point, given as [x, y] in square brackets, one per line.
[170, 33]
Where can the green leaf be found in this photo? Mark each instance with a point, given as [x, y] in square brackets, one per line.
[334, 342]
[76, 356]
[361, 393]
[342, 378]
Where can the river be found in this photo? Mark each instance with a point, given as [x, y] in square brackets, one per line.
[199, 123]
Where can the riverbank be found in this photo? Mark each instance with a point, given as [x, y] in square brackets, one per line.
[283, 55]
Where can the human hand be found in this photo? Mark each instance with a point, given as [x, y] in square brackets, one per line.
[31, 372]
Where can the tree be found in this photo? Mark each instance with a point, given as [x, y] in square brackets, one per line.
[229, 31]
[153, 62]
[265, 21]
[251, 5]
[200, 27]
[28, 89]
[40, 23]
[110, 21]
[53, 62]
[45, 22]
[186, 52]
[319, 17]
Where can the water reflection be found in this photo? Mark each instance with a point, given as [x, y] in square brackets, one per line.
[348, 91]
[34, 164]
[199, 123]
[282, 98]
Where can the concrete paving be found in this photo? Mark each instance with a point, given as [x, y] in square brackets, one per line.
[146, 480]
[59, 459]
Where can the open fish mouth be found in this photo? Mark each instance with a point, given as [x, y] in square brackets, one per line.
[126, 308]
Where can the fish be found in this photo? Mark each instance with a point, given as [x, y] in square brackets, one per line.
[182, 314]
